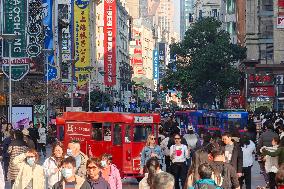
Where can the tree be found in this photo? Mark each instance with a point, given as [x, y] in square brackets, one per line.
[204, 63]
[99, 100]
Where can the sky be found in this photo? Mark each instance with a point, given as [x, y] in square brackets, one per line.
[177, 16]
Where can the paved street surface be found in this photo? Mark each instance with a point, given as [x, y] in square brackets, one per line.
[130, 183]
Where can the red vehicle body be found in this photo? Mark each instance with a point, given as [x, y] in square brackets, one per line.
[121, 134]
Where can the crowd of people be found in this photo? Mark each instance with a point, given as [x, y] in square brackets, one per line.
[217, 159]
[195, 160]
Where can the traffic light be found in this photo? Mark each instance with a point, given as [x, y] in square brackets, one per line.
[2, 100]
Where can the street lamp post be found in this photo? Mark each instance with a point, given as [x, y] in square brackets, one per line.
[46, 53]
[72, 62]
[89, 90]
[10, 38]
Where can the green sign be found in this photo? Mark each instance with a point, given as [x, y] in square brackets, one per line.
[18, 71]
[15, 19]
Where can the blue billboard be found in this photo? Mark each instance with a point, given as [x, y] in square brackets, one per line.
[156, 64]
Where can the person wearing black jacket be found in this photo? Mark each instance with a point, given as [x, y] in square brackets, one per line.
[233, 153]
[33, 132]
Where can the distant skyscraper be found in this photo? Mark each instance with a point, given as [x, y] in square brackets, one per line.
[186, 15]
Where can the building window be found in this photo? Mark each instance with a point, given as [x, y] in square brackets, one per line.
[214, 13]
[231, 6]
[200, 14]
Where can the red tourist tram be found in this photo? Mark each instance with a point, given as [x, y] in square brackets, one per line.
[121, 134]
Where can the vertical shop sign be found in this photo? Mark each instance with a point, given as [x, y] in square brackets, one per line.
[110, 42]
[15, 19]
[155, 69]
[82, 40]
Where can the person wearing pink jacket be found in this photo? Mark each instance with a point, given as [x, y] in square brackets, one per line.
[110, 172]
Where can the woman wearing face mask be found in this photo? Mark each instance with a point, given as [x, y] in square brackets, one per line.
[110, 172]
[52, 165]
[69, 179]
[31, 175]
[94, 178]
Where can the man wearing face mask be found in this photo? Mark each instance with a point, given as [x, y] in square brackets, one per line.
[81, 159]
[70, 179]
[110, 172]
[31, 175]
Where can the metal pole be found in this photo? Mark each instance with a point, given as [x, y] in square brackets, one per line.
[89, 92]
[47, 91]
[72, 88]
[10, 82]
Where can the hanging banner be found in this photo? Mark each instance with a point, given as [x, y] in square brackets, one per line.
[110, 42]
[48, 40]
[15, 19]
[156, 69]
[82, 39]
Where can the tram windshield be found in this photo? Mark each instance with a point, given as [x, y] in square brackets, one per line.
[141, 132]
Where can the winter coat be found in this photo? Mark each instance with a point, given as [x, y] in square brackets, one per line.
[101, 183]
[265, 139]
[61, 183]
[51, 174]
[81, 171]
[146, 154]
[279, 153]
[17, 147]
[271, 163]
[114, 178]
[2, 180]
[230, 178]
[27, 172]
[237, 158]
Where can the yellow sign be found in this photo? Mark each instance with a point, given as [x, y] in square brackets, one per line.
[82, 40]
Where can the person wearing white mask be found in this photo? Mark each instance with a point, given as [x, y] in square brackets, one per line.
[70, 179]
[31, 174]
[81, 159]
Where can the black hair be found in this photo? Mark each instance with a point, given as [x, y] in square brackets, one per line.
[218, 151]
[107, 156]
[152, 165]
[19, 135]
[276, 139]
[227, 134]
[70, 160]
[205, 171]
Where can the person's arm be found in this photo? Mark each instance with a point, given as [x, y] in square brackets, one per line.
[272, 154]
[234, 178]
[118, 179]
[19, 160]
[259, 144]
[47, 169]
[240, 161]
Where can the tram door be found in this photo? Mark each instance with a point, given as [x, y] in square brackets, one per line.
[116, 149]
[127, 153]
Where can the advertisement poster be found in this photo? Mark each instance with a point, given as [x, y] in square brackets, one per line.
[110, 42]
[82, 40]
[21, 116]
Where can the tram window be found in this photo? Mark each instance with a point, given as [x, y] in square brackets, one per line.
[127, 134]
[117, 135]
[107, 131]
[61, 133]
[97, 131]
[141, 132]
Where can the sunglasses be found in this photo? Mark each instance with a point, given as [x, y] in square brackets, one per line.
[177, 138]
[153, 138]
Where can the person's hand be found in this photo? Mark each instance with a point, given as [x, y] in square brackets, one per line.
[153, 155]
[141, 171]
[190, 181]
[240, 174]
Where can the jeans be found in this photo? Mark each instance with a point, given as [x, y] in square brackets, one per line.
[272, 182]
[41, 147]
[247, 177]
[168, 163]
[179, 171]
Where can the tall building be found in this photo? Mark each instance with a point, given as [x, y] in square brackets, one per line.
[133, 8]
[207, 8]
[259, 31]
[186, 15]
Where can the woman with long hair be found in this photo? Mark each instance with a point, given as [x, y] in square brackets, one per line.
[52, 165]
[94, 179]
[31, 174]
[150, 150]
[152, 168]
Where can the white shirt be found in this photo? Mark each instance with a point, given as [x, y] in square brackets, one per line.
[180, 153]
[42, 135]
[248, 154]
[164, 146]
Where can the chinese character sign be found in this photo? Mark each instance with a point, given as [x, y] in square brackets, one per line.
[82, 39]
[110, 42]
[15, 19]
[155, 69]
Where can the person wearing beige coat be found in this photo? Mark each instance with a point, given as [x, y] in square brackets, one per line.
[31, 175]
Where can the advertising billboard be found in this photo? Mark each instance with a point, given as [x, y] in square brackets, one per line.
[110, 42]
[156, 69]
[82, 40]
[21, 116]
[162, 53]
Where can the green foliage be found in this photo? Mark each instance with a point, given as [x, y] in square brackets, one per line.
[205, 63]
[98, 100]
